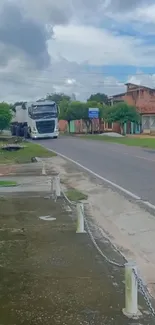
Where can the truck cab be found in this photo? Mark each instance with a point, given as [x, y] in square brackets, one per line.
[36, 120]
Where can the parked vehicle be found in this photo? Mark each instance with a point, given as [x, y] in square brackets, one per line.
[36, 120]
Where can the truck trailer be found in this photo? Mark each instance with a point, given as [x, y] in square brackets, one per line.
[35, 120]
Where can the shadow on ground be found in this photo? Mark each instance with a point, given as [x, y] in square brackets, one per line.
[51, 275]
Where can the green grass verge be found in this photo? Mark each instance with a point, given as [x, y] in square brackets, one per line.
[7, 183]
[75, 195]
[25, 154]
[135, 142]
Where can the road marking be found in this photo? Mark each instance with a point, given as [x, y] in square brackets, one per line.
[140, 157]
[148, 204]
[131, 155]
[122, 189]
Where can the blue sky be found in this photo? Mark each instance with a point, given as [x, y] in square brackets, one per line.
[79, 47]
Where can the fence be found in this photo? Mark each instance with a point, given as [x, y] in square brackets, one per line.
[133, 281]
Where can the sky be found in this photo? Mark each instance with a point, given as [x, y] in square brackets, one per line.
[76, 47]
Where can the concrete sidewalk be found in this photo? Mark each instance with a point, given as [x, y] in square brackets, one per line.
[51, 275]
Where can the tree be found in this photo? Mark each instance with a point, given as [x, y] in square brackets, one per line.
[77, 110]
[63, 109]
[99, 98]
[5, 116]
[121, 113]
[58, 97]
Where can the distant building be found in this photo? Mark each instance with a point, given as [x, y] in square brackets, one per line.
[143, 98]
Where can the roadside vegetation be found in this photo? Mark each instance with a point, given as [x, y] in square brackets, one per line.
[75, 195]
[128, 141]
[24, 155]
[5, 116]
[77, 110]
[121, 113]
[5, 183]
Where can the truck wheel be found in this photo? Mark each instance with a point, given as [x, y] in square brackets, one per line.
[17, 131]
[26, 135]
[22, 132]
[55, 137]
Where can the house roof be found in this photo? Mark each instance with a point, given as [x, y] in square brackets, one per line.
[131, 90]
[139, 86]
[117, 95]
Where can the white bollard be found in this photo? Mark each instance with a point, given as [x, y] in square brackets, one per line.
[56, 186]
[131, 291]
[80, 218]
[43, 169]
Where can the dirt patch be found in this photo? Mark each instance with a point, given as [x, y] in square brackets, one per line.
[23, 169]
[7, 170]
[34, 168]
[49, 274]
[142, 136]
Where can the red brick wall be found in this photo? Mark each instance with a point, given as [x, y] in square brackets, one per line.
[116, 128]
[146, 102]
[63, 125]
[143, 100]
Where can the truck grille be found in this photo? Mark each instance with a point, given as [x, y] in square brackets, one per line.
[45, 126]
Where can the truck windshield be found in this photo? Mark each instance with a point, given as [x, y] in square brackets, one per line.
[43, 111]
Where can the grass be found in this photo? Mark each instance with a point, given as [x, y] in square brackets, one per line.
[23, 155]
[135, 142]
[7, 183]
[75, 195]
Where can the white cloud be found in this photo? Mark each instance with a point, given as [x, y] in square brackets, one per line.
[99, 47]
[70, 81]
[146, 14]
[143, 79]
[72, 35]
[143, 16]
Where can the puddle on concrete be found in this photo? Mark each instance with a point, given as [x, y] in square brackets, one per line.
[50, 275]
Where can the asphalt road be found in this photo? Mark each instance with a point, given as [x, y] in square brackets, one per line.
[129, 167]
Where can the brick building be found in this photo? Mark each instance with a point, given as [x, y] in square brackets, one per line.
[143, 98]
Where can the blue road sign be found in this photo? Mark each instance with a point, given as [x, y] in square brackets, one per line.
[93, 112]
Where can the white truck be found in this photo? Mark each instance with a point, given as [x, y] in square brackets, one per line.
[35, 120]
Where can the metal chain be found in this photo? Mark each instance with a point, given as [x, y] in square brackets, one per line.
[67, 199]
[98, 248]
[144, 292]
[141, 285]
[92, 237]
